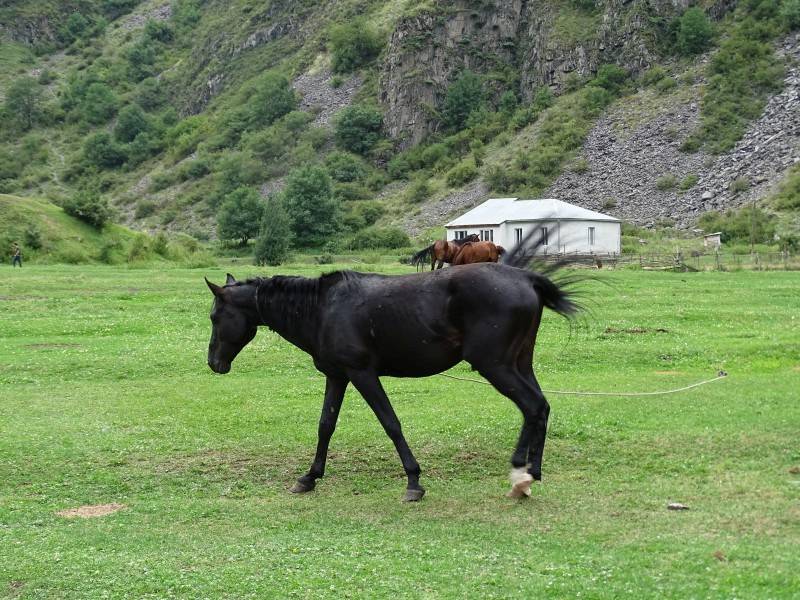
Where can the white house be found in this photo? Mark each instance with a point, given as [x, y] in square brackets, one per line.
[566, 228]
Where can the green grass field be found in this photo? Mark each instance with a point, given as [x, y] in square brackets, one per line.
[105, 397]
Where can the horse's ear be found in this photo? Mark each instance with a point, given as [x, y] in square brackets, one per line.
[229, 279]
[215, 289]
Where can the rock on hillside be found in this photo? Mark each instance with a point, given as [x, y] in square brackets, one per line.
[637, 142]
[545, 42]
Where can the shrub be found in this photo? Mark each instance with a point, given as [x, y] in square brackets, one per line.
[99, 103]
[666, 182]
[24, 102]
[380, 237]
[158, 31]
[609, 203]
[652, 76]
[788, 194]
[580, 166]
[150, 94]
[140, 249]
[353, 45]
[130, 123]
[345, 167]
[101, 150]
[313, 208]
[143, 147]
[144, 208]
[140, 57]
[740, 225]
[688, 182]
[358, 128]
[33, 237]
[463, 97]
[740, 184]
[694, 32]
[462, 173]
[90, 207]
[351, 191]
[419, 190]
[611, 78]
[270, 98]
[239, 216]
[370, 212]
[160, 244]
[666, 84]
[790, 14]
[275, 234]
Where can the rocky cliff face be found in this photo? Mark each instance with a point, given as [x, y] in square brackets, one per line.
[541, 41]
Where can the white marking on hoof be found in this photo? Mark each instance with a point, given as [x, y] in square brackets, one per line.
[520, 483]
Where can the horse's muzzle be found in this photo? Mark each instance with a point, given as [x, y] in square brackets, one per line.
[219, 367]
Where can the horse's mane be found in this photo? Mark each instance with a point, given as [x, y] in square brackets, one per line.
[291, 297]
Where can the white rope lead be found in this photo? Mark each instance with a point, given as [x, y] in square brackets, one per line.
[720, 375]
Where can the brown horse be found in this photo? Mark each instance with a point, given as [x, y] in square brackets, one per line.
[477, 252]
[442, 251]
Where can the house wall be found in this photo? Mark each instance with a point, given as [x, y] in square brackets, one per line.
[563, 236]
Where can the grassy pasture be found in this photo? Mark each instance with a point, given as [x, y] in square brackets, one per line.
[105, 398]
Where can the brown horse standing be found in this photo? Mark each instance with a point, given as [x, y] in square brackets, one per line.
[442, 251]
[478, 252]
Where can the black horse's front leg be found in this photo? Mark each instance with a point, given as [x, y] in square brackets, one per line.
[334, 394]
[369, 386]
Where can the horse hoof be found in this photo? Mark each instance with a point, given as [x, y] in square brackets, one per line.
[520, 483]
[301, 488]
[414, 495]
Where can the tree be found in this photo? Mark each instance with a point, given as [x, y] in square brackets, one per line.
[354, 45]
[463, 96]
[24, 101]
[313, 208]
[131, 122]
[694, 31]
[271, 98]
[275, 235]
[101, 150]
[90, 207]
[99, 104]
[75, 27]
[358, 128]
[239, 216]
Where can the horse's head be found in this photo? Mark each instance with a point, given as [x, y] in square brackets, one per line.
[473, 237]
[234, 322]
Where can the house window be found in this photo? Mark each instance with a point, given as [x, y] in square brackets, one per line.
[460, 235]
[487, 235]
[544, 236]
[591, 236]
[518, 235]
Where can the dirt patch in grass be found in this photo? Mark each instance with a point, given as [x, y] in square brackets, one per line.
[51, 346]
[636, 330]
[15, 588]
[90, 511]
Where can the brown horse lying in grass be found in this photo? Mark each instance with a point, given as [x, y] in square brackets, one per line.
[442, 251]
[478, 252]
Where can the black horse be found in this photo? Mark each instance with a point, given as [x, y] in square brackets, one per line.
[358, 327]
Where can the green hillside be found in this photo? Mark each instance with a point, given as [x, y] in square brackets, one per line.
[388, 107]
[47, 234]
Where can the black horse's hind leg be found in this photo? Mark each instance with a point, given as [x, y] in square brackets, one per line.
[369, 386]
[334, 394]
[537, 441]
[533, 406]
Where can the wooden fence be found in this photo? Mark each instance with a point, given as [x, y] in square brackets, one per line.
[711, 261]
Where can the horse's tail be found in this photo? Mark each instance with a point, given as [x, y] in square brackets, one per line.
[422, 256]
[553, 292]
[555, 296]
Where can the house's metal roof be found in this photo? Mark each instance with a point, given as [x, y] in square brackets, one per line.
[499, 210]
